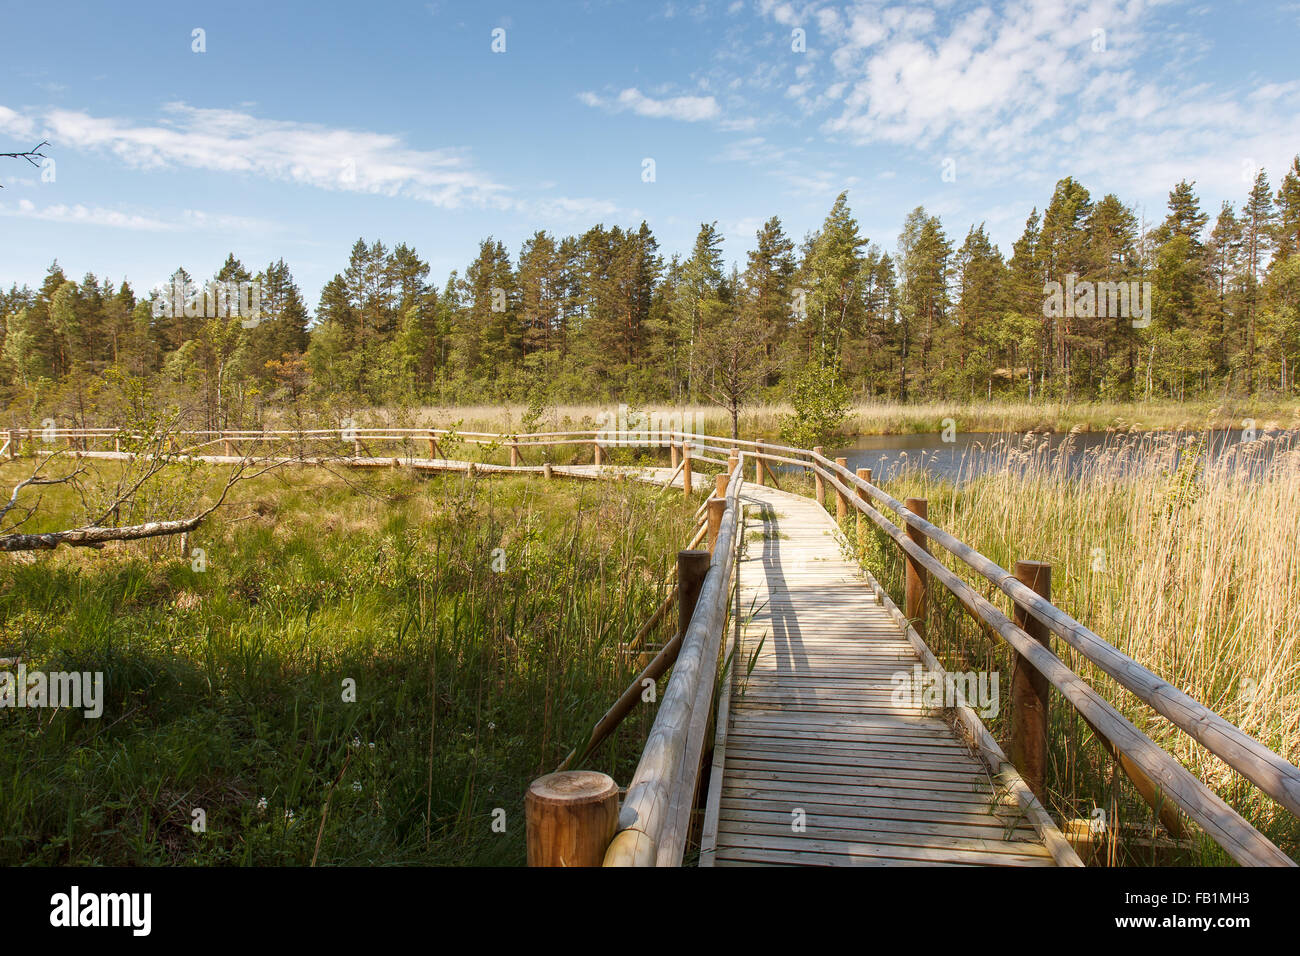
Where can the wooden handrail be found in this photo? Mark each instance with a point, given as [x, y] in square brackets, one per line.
[1270, 772]
[651, 830]
[1229, 829]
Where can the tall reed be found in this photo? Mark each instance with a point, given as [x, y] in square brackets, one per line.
[1177, 550]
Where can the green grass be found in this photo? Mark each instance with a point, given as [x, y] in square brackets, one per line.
[225, 687]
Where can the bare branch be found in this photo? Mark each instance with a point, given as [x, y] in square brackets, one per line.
[29, 155]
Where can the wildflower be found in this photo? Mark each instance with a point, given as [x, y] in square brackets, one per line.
[261, 804]
[356, 786]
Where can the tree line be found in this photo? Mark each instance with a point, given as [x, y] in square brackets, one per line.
[604, 316]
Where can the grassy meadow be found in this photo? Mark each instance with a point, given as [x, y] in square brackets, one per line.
[475, 669]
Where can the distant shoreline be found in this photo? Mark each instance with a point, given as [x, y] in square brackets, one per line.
[869, 418]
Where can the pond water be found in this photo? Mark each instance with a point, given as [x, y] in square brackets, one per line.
[970, 454]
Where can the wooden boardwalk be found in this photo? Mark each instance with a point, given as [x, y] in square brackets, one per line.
[819, 767]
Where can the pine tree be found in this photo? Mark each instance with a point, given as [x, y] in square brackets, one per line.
[1257, 233]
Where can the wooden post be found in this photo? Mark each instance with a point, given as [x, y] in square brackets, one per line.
[692, 566]
[599, 454]
[758, 465]
[13, 444]
[716, 508]
[570, 818]
[733, 462]
[818, 482]
[514, 454]
[672, 451]
[686, 469]
[1029, 688]
[841, 502]
[433, 447]
[720, 482]
[865, 475]
[546, 469]
[225, 445]
[915, 576]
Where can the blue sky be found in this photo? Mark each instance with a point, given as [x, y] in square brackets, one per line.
[306, 125]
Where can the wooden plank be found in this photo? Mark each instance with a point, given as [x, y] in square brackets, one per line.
[845, 853]
[730, 831]
[812, 724]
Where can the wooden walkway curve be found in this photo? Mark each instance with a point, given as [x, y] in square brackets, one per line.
[818, 766]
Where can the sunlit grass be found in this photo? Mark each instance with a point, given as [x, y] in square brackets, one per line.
[225, 686]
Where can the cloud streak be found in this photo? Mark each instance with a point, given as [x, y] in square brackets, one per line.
[688, 109]
[83, 215]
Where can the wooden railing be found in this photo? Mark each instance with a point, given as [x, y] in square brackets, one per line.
[651, 828]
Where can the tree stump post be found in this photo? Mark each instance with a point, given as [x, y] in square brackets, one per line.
[865, 475]
[717, 506]
[570, 818]
[692, 566]
[841, 502]
[819, 484]
[1030, 690]
[916, 578]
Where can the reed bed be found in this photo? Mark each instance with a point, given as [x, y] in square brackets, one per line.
[1179, 551]
[475, 669]
[763, 419]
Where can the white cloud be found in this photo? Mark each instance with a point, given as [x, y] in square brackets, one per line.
[690, 109]
[237, 142]
[82, 215]
[234, 141]
[15, 124]
[1017, 88]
